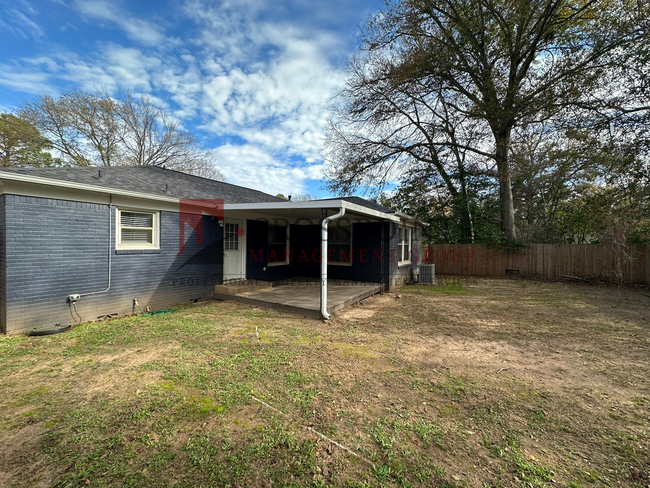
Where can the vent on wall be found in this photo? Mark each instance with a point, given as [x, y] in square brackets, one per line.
[427, 274]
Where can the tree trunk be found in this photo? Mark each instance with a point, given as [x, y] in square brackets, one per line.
[468, 226]
[502, 140]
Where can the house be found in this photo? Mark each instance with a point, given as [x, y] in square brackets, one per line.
[78, 244]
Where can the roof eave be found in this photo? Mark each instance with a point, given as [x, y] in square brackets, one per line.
[312, 204]
[82, 187]
[410, 218]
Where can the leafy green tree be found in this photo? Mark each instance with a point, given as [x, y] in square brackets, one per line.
[483, 68]
[570, 186]
[22, 145]
[423, 195]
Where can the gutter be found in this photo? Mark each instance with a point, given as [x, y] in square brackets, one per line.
[80, 186]
[313, 204]
[410, 218]
[271, 206]
[323, 261]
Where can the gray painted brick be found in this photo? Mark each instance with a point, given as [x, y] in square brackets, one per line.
[52, 248]
[3, 264]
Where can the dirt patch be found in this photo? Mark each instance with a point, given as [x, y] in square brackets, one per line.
[492, 383]
[358, 312]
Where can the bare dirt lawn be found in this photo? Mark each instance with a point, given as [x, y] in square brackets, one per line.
[487, 383]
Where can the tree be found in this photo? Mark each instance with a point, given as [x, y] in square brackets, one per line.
[95, 129]
[398, 130]
[200, 162]
[81, 126]
[303, 197]
[21, 144]
[150, 136]
[568, 185]
[423, 194]
[491, 65]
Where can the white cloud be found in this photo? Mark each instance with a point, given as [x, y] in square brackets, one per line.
[270, 82]
[252, 167]
[257, 82]
[136, 29]
[130, 67]
[21, 80]
[18, 21]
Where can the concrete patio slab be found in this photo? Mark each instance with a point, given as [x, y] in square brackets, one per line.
[303, 299]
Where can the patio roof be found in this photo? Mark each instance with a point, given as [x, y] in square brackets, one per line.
[307, 209]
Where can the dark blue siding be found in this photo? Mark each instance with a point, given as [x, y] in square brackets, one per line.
[391, 238]
[56, 248]
[305, 242]
[257, 267]
[366, 255]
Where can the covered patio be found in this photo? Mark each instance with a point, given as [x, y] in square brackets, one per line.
[298, 295]
[315, 257]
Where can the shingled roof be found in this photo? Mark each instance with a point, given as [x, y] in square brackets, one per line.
[151, 180]
[155, 181]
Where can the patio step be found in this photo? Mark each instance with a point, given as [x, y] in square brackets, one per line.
[237, 287]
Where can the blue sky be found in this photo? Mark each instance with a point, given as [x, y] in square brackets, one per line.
[251, 78]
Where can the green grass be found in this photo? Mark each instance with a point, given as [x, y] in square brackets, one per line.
[440, 288]
[167, 400]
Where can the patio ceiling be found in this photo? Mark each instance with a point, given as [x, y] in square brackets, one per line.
[309, 210]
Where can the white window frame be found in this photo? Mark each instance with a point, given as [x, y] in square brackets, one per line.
[287, 248]
[341, 263]
[225, 236]
[404, 262]
[155, 231]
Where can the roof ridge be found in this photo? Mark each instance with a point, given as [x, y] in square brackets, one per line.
[203, 178]
[161, 171]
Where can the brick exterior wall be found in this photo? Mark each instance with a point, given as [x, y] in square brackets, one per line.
[3, 266]
[404, 273]
[50, 249]
[55, 248]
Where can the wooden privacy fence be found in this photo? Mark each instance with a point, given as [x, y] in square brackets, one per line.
[551, 261]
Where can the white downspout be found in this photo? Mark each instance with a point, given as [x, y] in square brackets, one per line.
[323, 261]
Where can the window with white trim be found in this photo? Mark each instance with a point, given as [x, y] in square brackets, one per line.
[339, 242]
[231, 237]
[278, 245]
[137, 230]
[404, 245]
